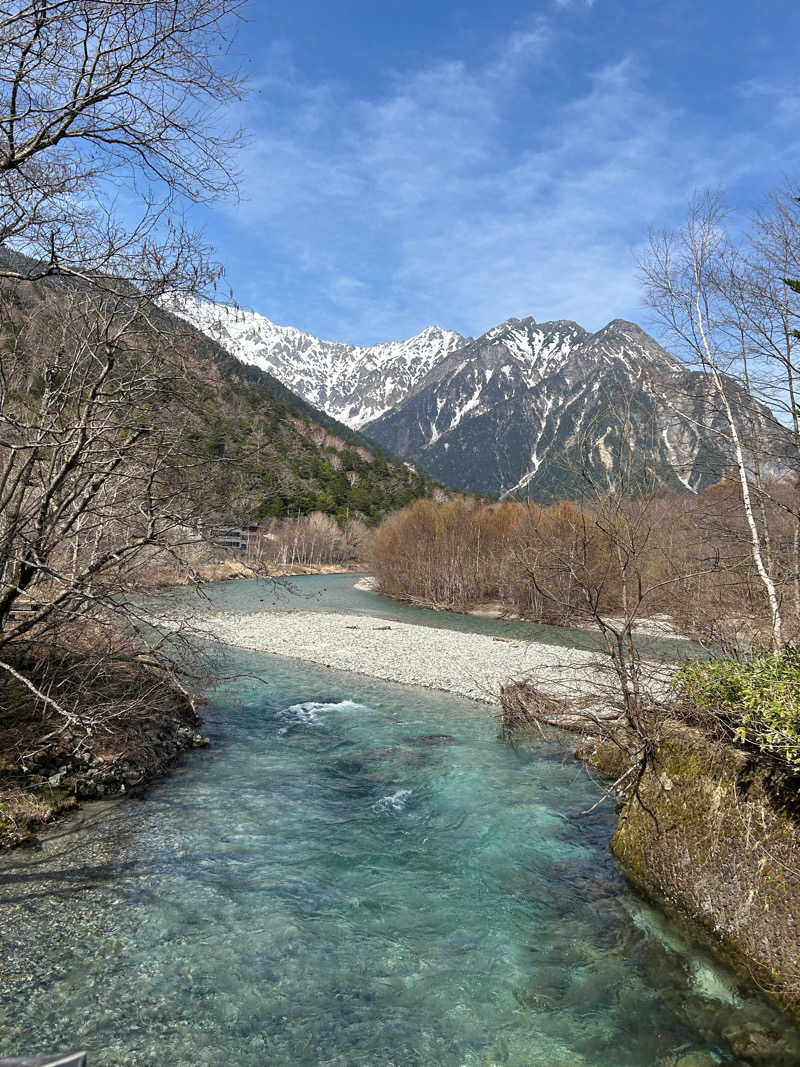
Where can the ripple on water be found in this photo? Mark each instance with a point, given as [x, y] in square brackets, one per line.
[320, 888]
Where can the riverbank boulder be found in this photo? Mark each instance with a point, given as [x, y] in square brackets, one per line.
[711, 833]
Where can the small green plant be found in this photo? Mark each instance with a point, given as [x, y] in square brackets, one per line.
[755, 700]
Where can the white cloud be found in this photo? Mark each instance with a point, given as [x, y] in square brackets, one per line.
[464, 194]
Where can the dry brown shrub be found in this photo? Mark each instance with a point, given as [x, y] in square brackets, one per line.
[693, 559]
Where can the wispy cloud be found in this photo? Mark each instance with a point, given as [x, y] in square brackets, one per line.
[466, 192]
[782, 102]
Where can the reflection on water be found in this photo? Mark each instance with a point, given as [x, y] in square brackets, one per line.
[355, 873]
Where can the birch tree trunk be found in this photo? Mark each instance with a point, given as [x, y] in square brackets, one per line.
[687, 275]
[741, 466]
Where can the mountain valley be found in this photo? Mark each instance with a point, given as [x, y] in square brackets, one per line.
[528, 409]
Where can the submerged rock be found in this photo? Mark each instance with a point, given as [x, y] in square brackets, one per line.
[758, 1045]
[690, 1059]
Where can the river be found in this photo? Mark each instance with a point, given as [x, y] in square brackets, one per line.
[354, 873]
[339, 593]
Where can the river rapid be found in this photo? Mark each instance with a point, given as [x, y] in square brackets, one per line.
[354, 873]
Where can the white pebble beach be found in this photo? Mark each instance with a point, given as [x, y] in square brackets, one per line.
[471, 665]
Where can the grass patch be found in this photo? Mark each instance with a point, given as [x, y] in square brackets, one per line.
[23, 811]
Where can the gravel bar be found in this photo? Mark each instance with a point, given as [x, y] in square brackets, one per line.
[472, 665]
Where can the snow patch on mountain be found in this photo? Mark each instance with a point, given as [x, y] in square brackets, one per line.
[528, 409]
[533, 408]
[355, 384]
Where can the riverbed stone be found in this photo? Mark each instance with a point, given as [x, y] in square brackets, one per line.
[700, 1058]
[758, 1045]
[470, 664]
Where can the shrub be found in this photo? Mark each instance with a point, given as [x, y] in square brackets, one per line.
[754, 700]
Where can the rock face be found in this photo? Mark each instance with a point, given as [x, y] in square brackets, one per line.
[353, 384]
[527, 409]
[720, 846]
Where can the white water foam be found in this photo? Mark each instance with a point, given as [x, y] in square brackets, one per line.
[394, 801]
[311, 713]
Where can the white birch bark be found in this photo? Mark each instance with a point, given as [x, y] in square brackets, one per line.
[758, 559]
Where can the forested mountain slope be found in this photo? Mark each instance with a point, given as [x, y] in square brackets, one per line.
[261, 450]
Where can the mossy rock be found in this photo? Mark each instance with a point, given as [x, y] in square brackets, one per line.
[706, 839]
[605, 757]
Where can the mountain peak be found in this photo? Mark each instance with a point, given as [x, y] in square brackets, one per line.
[511, 325]
[527, 407]
[622, 326]
[353, 383]
[436, 335]
[510, 412]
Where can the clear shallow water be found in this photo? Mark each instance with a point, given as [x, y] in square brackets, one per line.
[337, 593]
[331, 884]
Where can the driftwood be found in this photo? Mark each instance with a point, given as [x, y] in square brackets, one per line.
[524, 706]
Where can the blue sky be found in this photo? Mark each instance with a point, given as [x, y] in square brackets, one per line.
[460, 163]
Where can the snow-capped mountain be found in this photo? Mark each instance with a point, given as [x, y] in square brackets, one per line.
[531, 409]
[528, 409]
[353, 384]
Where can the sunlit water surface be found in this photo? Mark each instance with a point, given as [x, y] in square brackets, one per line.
[354, 873]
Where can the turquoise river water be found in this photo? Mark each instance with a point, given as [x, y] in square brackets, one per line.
[338, 593]
[356, 874]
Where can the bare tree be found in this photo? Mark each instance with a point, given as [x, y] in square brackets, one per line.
[606, 553]
[767, 306]
[107, 100]
[101, 102]
[687, 274]
[94, 477]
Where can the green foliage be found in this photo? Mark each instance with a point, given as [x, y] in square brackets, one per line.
[263, 442]
[756, 700]
[290, 475]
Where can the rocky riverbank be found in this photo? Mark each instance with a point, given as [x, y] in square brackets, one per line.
[710, 833]
[471, 665]
[646, 626]
[47, 766]
[229, 570]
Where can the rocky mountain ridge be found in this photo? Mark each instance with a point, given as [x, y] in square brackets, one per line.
[538, 409]
[354, 384]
